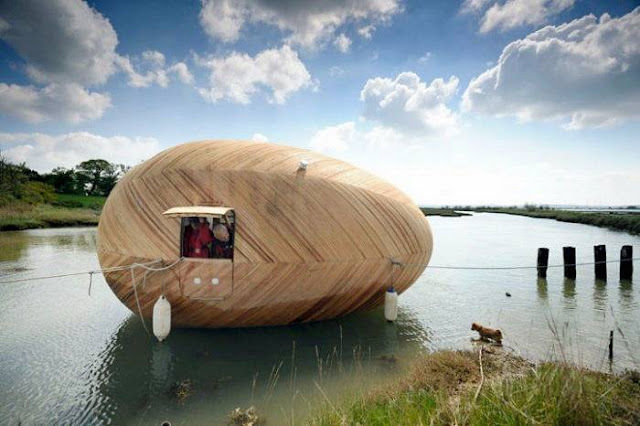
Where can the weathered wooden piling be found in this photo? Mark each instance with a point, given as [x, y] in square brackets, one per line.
[569, 256]
[600, 261]
[626, 262]
[543, 262]
[611, 345]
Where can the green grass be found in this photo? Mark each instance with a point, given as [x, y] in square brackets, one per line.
[18, 216]
[65, 210]
[442, 389]
[80, 201]
[409, 408]
[555, 394]
[629, 222]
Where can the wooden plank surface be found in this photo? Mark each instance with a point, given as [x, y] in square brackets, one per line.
[309, 245]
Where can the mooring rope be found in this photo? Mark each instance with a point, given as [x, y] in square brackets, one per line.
[135, 291]
[146, 266]
[499, 268]
[73, 274]
[393, 262]
[144, 281]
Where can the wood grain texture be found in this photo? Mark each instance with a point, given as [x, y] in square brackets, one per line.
[309, 245]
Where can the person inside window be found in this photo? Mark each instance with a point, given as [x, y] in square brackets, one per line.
[186, 235]
[222, 248]
[198, 237]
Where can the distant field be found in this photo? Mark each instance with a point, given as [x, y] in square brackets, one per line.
[629, 222]
[66, 210]
[442, 212]
[23, 216]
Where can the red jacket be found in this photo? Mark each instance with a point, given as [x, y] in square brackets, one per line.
[197, 241]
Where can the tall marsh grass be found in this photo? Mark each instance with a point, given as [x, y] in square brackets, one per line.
[555, 394]
[18, 216]
[447, 388]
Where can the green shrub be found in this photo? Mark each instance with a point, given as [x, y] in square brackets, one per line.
[34, 192]
[68, 203]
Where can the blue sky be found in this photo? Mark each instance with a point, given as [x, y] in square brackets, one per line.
[478, 101]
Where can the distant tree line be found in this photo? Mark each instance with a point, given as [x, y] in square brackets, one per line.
[91, 177]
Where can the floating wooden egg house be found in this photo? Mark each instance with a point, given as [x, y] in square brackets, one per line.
[258, 234]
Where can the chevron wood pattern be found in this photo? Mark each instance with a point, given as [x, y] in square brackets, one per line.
[309, 245]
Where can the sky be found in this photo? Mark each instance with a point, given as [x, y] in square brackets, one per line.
[478, 102]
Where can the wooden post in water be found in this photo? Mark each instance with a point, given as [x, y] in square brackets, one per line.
[543, 262]
[569, 256]
[611, 345]
[626, 264]
[600, 259]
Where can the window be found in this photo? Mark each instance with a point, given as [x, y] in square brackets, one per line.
[205, 232]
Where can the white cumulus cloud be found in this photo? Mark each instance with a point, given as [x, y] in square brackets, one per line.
[366, 31]
[150, 69]
[62, 41]
[471, 6]
[341, 137]
[238, 76]
[334, 138]
[182, 71]
[223, 19]
[154, 57]
[43, 152]
[259, 137]
[67, 47]
[584, 72]
[153, 72]
[342, 43]
[410, 105]
[514, 13]
[307, 23]
[68, 102]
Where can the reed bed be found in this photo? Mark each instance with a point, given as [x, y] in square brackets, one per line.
[17, 216]
[451, 388]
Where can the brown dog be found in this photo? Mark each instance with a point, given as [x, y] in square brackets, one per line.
[487, 333]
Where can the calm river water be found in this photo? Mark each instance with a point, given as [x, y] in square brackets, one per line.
[67, 357]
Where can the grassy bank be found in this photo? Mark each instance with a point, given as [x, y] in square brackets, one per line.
[79, 201]
[19, 216]
[629, 222]
[451, 388]
[427, 211]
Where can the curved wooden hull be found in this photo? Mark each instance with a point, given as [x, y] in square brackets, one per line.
[309, 245]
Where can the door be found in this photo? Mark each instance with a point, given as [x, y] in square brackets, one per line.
[206, 279]
[207, 231]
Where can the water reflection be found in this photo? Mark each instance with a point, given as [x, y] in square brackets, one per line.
[12, 247]
[19, 250]
[626, 295]
[161, 367]
[569, 293]
[265, 367]
[83, 241]
[600, 299]
[542, 289]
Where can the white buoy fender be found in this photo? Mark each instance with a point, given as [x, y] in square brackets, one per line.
[391, 304]
[162, 318]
